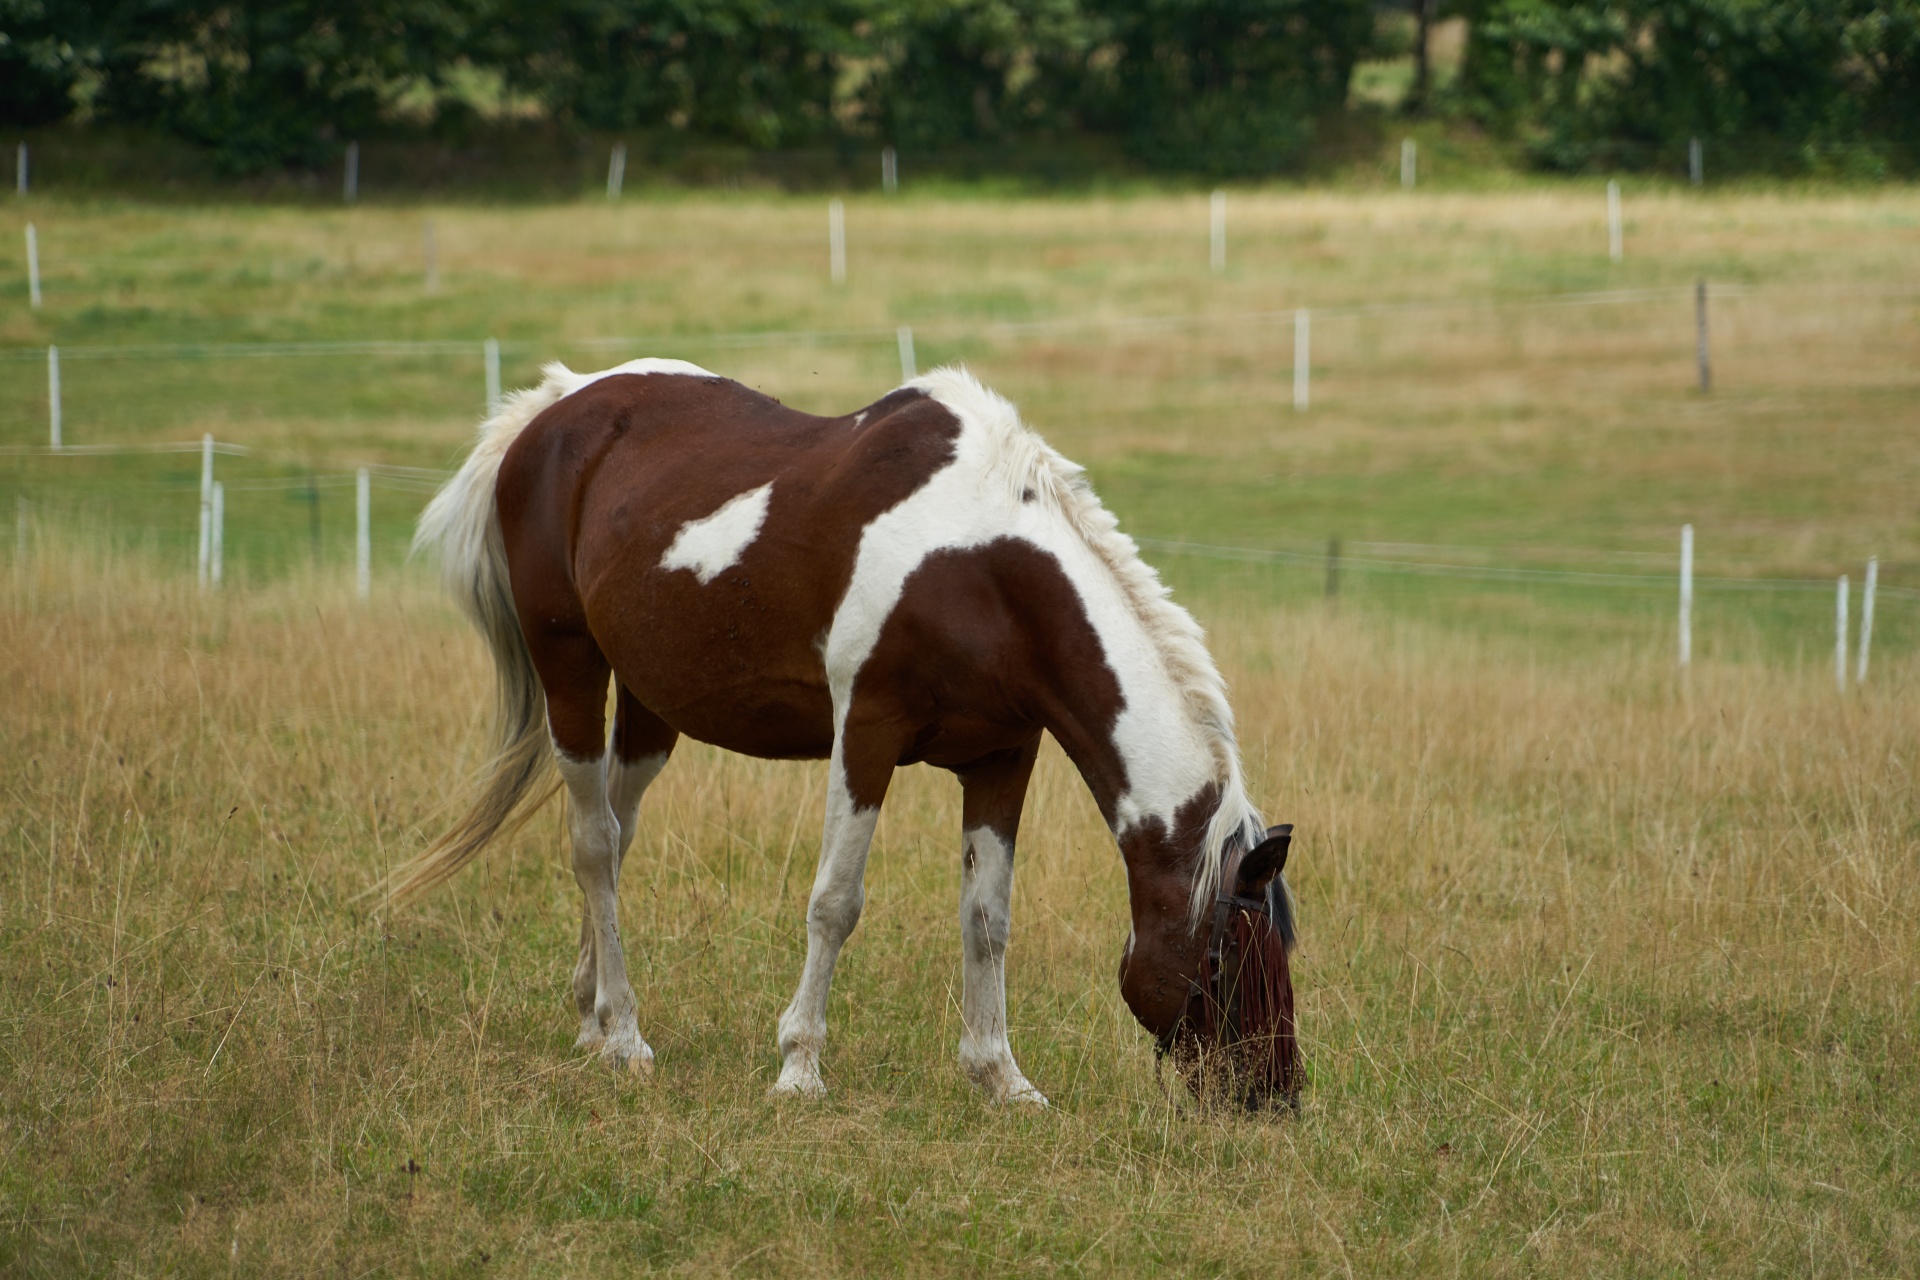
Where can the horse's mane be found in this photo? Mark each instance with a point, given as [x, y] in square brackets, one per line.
[1025, 461]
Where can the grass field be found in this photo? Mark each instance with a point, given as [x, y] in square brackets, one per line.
[1604, 970]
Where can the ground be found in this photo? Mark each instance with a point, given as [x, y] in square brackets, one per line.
[1606, 968]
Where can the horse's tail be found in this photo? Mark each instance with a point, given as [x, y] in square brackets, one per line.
[463, 525]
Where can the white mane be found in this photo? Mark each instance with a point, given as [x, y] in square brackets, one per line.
[1028, 462]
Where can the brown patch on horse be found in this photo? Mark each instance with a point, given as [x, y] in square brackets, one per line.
[596, 488]
[977, 654]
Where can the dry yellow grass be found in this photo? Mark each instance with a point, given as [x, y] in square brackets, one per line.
[1601, 974]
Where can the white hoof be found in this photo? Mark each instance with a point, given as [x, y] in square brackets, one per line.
[1023, 1094]
[798, 1081]
[628, 1053]
[997, 1076]
[591, 1036]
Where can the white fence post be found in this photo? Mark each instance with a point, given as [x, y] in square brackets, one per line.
[1217, 232]
[1700, 351]
[1686, 596]
[33, 266]
[616, 170]
[1866, 619]
[837, 241]
[1840, 635]
[20, 170]
[429, 252]
[1696, 162]
[908, 368]
[1408, 158]
[889, 170]
[351, 185]
[53, 397]
[219, 531]
[1302, 350]
[492, 350]
[363, 534]
[206, 509]
[1614, 245]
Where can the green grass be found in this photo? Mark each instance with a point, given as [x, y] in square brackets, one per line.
[1605, 971]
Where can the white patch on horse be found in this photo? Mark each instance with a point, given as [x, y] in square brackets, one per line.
[572, 382]
[1174, 731]
[712, 543]
[859, 417]
[839, 894]
[986, 919]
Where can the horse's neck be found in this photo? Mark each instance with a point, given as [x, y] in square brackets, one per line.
[1146, 756]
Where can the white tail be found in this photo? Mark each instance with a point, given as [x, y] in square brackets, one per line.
[462, 524]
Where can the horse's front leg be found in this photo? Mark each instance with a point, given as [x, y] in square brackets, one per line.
[857, 782]
[994, 790]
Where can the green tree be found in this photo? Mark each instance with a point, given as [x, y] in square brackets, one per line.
[763, 72]
[957, 71]
[1627, 82]
[266, 83]
[41, 56]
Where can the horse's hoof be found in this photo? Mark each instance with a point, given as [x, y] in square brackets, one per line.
[590, 1039]
[798, 1084]
[1025, 1095]
[635, 1059]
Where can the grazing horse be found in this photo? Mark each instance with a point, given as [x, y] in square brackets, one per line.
[923, 580]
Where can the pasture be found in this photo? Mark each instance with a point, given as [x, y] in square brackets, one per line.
[1605, 968]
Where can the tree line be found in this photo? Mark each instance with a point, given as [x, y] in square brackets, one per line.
[1219, 86]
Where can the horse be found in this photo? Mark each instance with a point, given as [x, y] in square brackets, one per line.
[923, 580]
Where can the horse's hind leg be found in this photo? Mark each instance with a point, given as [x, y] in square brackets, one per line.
[994, 790]
[574, 674]
[638, 751]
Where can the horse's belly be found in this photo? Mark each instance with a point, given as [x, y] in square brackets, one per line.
[734, 690]
[775, 723]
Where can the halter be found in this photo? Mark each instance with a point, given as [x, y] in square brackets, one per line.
[1207, 987]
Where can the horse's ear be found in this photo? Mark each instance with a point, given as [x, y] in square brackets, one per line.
[1263, 862]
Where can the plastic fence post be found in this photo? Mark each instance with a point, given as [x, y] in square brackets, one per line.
[1614, 245]
[206, 509]
[908, 368]
[33, 266]
[837, 241]
[492, 352]
[1302, 349]
[1700, 351]
[1217, 232]
[53, 398]
[219, 532]
[616, 170]
[1686, 595]
[1866, 619]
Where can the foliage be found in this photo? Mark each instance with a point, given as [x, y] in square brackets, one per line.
[1592, 83]
[762, 72]
[1215, 86]
[38, 66]
[1229, 86]
[946, 73]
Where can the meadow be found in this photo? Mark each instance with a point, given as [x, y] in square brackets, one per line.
[1606, 968]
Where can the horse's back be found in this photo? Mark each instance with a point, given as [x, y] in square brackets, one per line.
[703, 535]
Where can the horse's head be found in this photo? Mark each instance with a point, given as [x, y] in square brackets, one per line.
[1216, 993]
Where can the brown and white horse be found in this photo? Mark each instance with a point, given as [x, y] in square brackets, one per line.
[924, 580]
